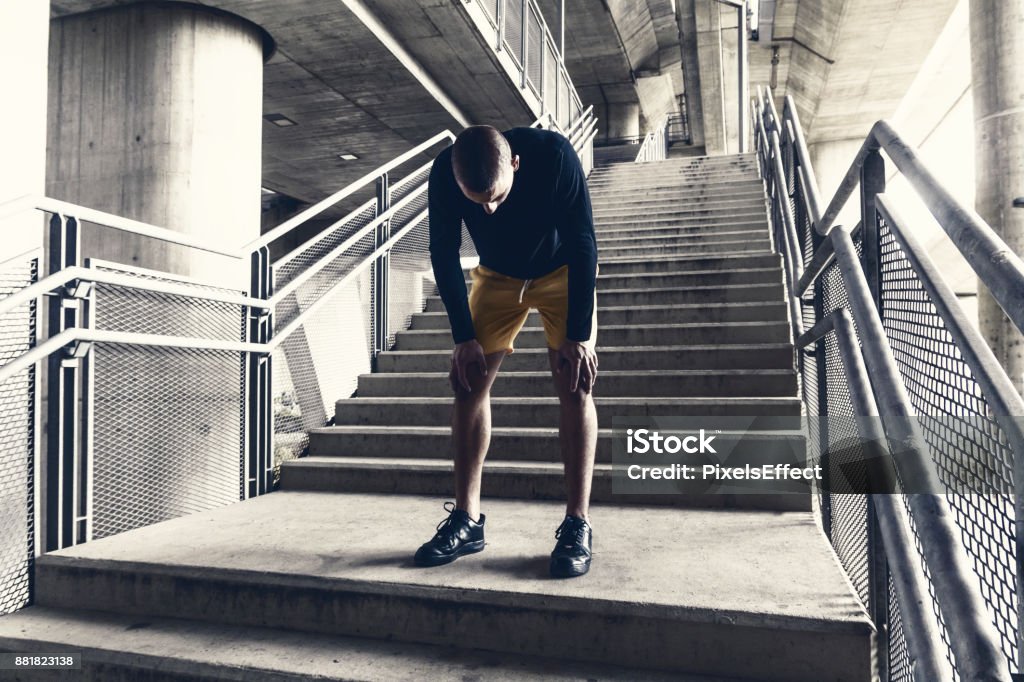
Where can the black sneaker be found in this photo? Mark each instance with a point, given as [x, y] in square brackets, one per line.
[571, 556]
[456, 535]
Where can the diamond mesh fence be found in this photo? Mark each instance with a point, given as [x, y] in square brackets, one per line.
[513, 21]
[966, 441]
[971, 447]
[490, 10]
[534, 49]
[320, 361]
[564, 113]
[550, 78]
[17, 441]
[167, 424]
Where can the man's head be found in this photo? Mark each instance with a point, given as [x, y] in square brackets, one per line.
[484, 166]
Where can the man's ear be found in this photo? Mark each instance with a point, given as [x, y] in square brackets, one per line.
[515, 163]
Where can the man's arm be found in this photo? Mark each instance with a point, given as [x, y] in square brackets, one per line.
[574, 221]
[445, 241]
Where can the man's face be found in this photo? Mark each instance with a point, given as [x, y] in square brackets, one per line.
[492, 198]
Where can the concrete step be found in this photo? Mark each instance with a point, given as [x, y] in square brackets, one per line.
[673, 383]
[647, 280]
[687, 177]
[503, 480]
[703, 218]
[689, 264]
[667, 247]
[765, 311]
[543, 411]
[721, 183]
[668, 167]
[682, 229]
[657, 237]
[745, 181]
[746, 594]
[625, 335]
[539, 444]
[681, 162]
[679, 206]
[672, 296]
[748, 190]
[680, 263]
[672, 205]
[130, 648]
[738, 356]
[668, 192]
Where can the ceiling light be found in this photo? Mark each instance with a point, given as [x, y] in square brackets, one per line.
[280, 120]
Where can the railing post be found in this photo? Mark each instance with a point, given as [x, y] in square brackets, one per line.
[379, 310]
[259, 395]
[68, 458]
[872, 183]
[499, 23]
[524, 16]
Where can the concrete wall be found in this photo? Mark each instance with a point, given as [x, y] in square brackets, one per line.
[936, 116]
[23, 43]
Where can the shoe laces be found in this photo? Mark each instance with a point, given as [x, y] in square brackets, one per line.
[446, 528]
[575, 527]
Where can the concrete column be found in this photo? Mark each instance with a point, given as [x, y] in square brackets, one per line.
[155, 114]
[708, 23]
[623, 120]
[997, 53]
[23, 39]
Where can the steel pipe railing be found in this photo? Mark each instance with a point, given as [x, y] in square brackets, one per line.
[875, 383]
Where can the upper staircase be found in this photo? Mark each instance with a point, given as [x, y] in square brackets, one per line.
[317, 578]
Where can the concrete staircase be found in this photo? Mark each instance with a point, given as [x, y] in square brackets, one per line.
[317, 578]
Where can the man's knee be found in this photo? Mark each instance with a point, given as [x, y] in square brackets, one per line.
[569, 398]
[478, 392]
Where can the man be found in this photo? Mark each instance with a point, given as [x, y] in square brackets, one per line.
[523, 196]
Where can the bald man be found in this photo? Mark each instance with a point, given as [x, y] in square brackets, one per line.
[523, 196]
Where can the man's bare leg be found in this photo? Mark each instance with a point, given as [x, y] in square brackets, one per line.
[471, 432]
[577, 435]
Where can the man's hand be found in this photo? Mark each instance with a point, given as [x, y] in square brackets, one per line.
[580, 360]
[465, 355]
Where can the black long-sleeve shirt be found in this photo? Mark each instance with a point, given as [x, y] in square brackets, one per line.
[545, 222]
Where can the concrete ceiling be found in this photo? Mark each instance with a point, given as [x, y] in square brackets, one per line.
[622, 52]
[846, 63]
[594, 54]
[351, 90]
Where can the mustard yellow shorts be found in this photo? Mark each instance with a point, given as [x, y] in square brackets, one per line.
[500, 304]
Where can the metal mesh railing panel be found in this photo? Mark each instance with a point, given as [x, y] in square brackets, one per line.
[319, 248]
[513, 24]
[564, 114]
[167, 422]
[848, 509]
[17, 442]
[966, 441]
[550, 79]
[410, 263]
[900, 669]
[490, 10]
[167, 435]
[534, 50]
[320, 363]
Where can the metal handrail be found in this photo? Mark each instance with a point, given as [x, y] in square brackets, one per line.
[653, 136]
[996, 264]
[321, 206]
[976, 644]
[920, 627]
[27, 203]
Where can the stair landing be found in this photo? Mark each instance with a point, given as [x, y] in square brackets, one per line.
[709, 592]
